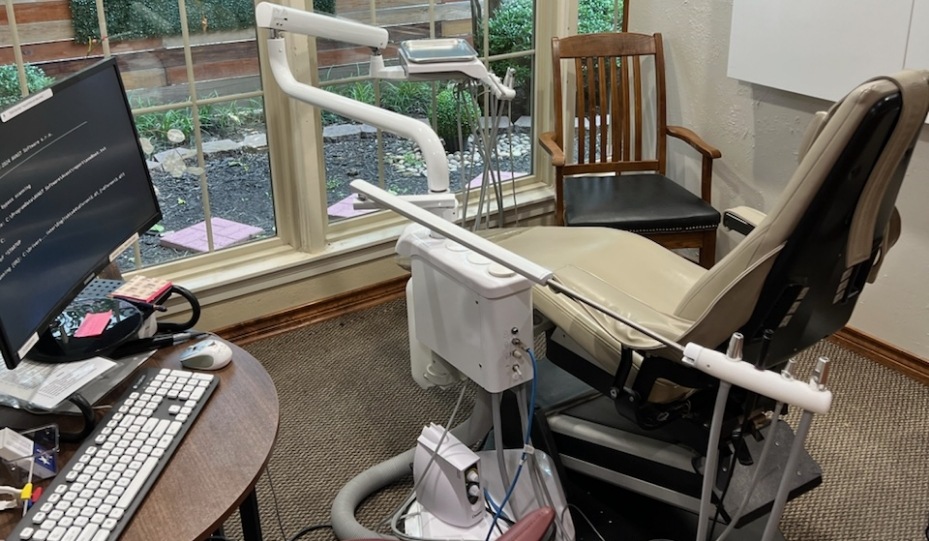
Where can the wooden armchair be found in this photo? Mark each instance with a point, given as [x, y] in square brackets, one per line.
[618, 178]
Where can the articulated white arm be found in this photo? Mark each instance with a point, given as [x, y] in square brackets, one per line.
[287, 19]
[404, 126]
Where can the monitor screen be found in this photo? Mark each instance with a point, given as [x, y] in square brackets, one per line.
[75, 191]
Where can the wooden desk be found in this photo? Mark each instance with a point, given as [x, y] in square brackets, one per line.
[215, 468]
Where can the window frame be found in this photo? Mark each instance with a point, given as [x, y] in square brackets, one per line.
[306, 245]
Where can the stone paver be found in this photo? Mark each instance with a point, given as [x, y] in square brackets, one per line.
[225, 233]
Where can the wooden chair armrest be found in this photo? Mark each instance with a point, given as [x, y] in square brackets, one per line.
[547, 140]
[695, 141]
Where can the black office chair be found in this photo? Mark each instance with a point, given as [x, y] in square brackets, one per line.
[791, 282]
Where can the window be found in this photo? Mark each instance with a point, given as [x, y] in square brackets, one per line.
[460, 111]
[191, 75]
[195, 82]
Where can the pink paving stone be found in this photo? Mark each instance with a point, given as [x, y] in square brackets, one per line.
[225, 233]
[503, 175]
[344, 208]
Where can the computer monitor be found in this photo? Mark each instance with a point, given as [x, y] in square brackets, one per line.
[75, 191]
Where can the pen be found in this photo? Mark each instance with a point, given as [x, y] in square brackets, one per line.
[156, 342]
[175, 339]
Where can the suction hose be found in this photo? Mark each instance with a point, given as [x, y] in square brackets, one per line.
[344, 524]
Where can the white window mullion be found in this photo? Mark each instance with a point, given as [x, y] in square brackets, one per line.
[17, 48]
[195, 117]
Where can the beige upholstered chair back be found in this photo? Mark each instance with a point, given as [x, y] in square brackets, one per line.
[725, 296]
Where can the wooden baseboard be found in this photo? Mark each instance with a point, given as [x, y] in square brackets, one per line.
[301, 316]
[883, 353]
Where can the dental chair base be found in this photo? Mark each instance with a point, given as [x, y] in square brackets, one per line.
[590, 440]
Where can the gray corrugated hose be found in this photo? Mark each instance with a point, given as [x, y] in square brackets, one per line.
[344, 524]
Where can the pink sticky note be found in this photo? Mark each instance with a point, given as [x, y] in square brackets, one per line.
[94, 324]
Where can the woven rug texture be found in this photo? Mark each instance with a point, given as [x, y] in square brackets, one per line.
[347, 402]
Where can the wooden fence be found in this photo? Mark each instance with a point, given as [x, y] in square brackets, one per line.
[47, 38]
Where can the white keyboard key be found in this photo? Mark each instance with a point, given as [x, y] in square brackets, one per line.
[26, 533]
[88, 533]
[57, 533]
[174, 428]
[38, 518]
[126, 499]
[149, 425]
[72, 534]
[40, 535]
[98, 518]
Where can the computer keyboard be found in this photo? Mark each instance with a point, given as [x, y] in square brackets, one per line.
[95, 495]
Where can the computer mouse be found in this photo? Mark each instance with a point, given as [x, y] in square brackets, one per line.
[210, 354]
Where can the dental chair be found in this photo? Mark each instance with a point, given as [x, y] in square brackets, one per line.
[623, 409]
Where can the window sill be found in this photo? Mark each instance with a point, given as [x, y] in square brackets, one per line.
[264, 265]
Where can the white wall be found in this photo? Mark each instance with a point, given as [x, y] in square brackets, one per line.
[758, 130]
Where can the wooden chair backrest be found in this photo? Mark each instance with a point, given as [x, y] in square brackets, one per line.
[611, 106]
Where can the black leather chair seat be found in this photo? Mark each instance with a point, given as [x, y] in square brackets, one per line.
[641, 203]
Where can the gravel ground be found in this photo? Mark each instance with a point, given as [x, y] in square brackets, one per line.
[240, 190]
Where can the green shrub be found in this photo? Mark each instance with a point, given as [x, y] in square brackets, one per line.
[594, 16]
[452, 105]
[406, 98]
[131, 19]
[511, 30]
[324, 6]
[9, 82]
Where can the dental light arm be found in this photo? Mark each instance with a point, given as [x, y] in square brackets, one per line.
[429, 143]
[286, 19]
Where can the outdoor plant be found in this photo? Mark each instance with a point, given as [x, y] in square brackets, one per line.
[216, 120]
[131, 19]
[452, 106]
[510, 29]
[9, 82]
[324, 6]
[407, 98]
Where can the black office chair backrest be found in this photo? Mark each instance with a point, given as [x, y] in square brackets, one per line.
[798, 274]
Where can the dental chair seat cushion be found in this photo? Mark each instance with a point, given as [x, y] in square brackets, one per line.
[626, 272]
[642, 203]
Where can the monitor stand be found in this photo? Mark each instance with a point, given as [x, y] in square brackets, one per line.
[59, 345]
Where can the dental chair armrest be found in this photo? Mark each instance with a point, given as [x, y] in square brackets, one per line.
[742, 219]
[547, 140]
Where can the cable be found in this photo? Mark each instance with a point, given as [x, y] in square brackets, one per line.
[309, 529]
[522, 460]
[392, 517]
[277, 508]
[587, 520]
[722, 498]
[755, 476]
